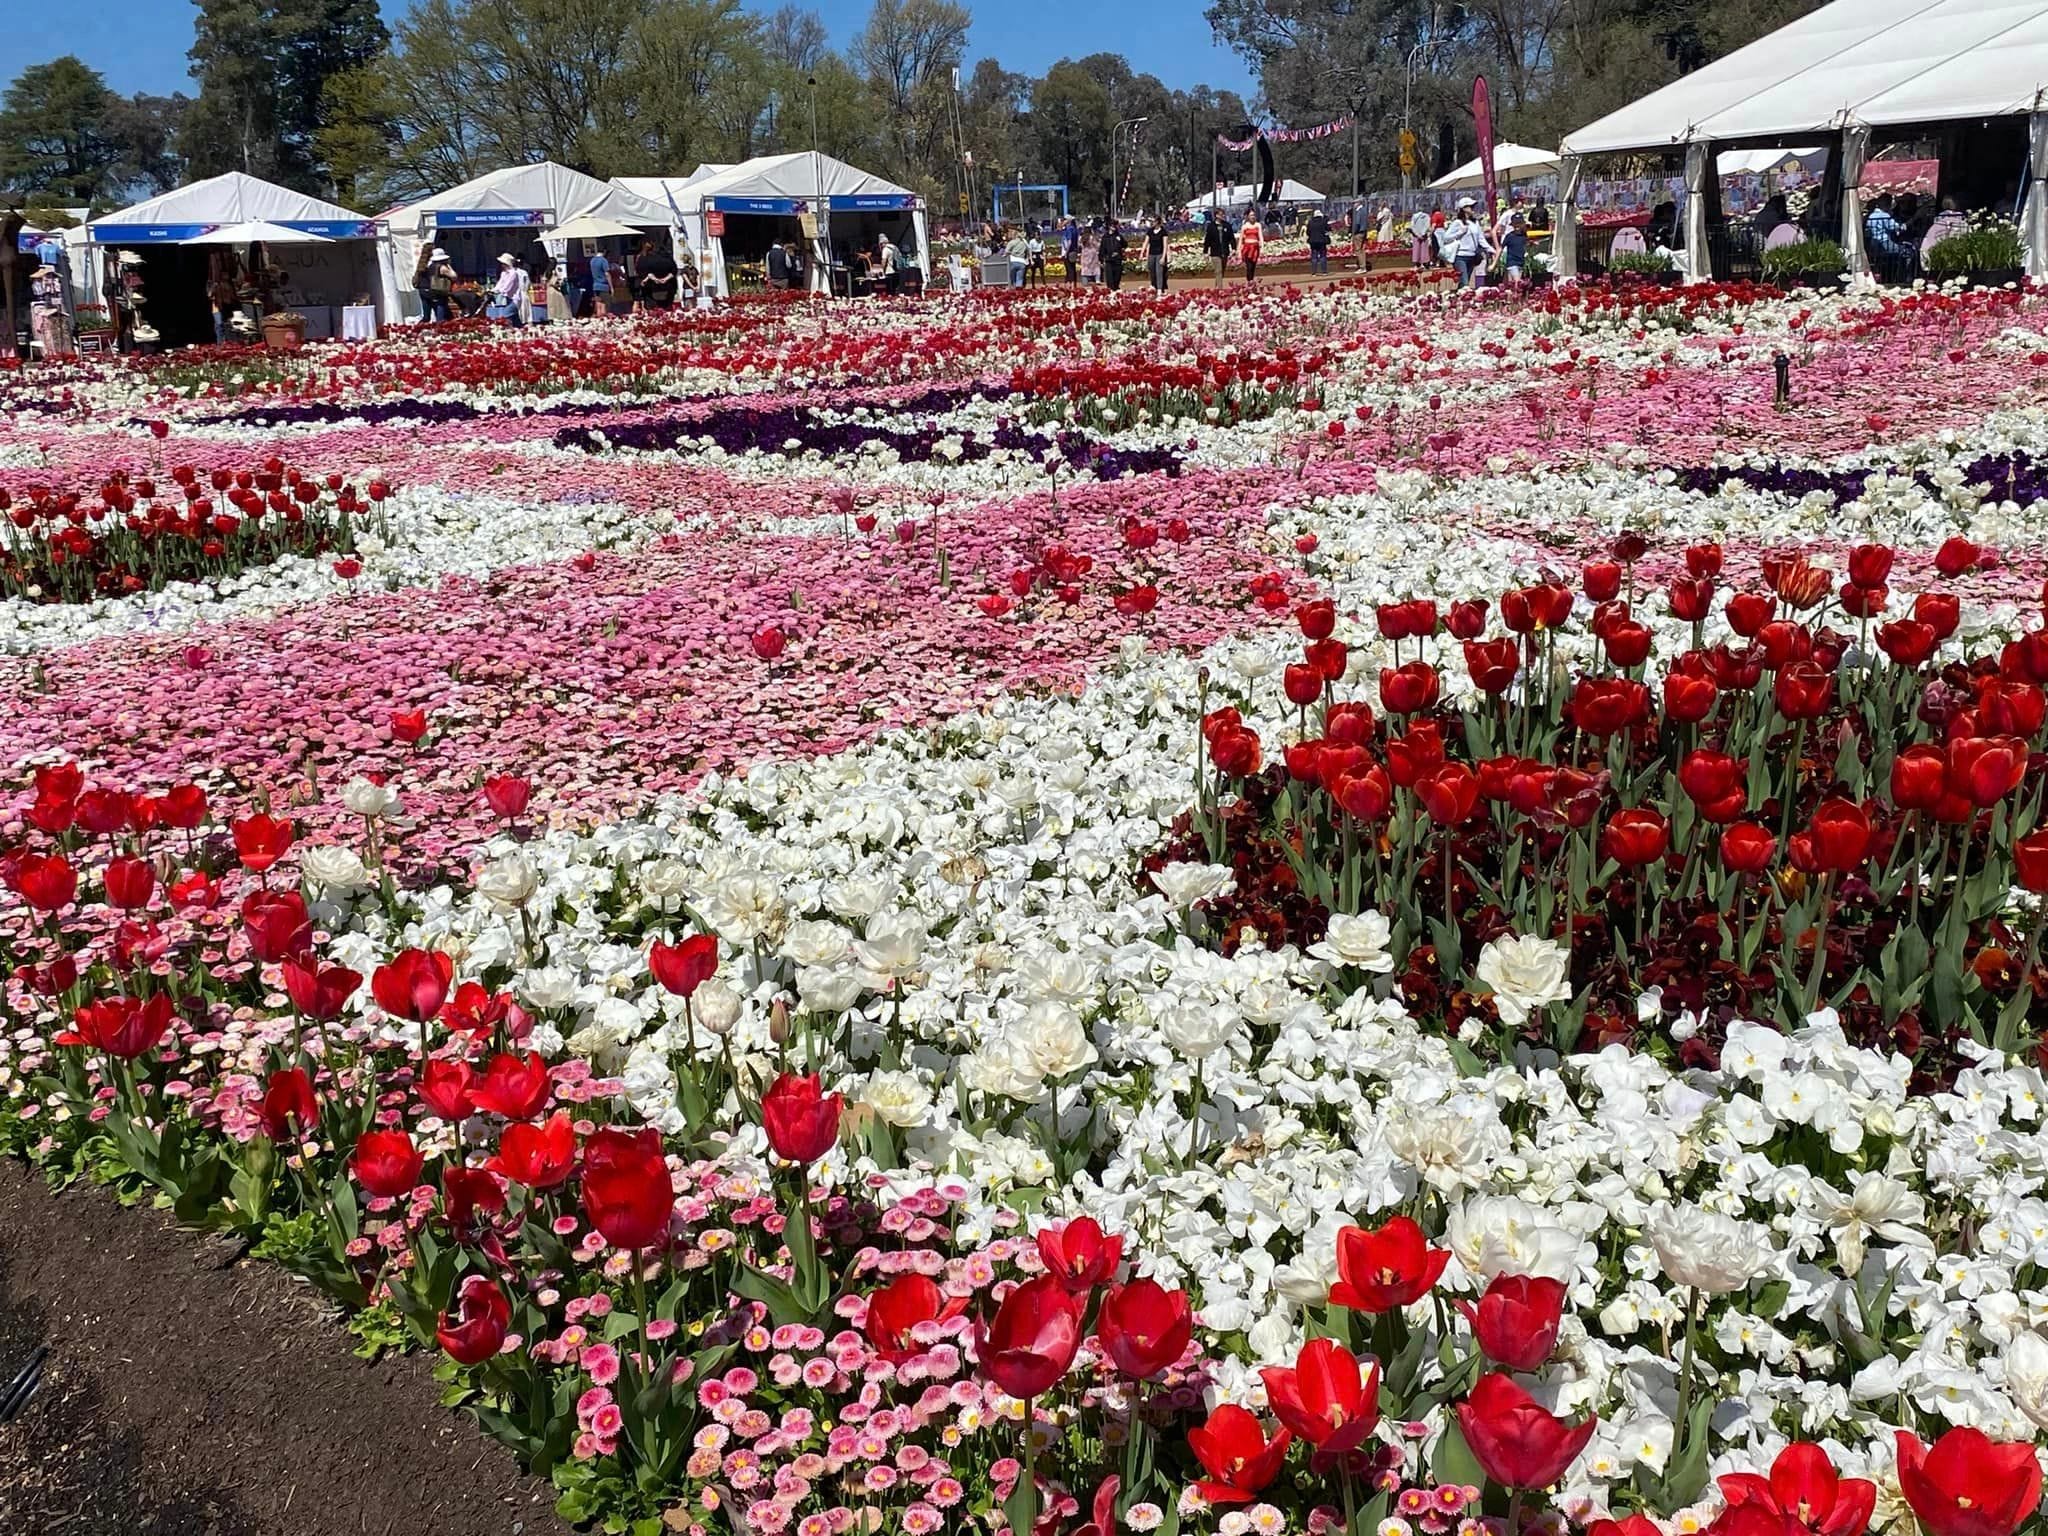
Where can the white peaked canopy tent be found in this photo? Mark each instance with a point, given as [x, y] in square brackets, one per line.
[1509, 161]
[517, 204]
[190, 215]
[1232, 199]
[1843, 70]
[788, 187]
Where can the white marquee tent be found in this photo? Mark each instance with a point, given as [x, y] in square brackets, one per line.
[1845, 69]
[506, 208]
[787, 187]
[1232, 199]
[351, 258]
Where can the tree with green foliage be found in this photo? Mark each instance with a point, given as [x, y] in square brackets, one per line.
[66, 140]
[263, 68]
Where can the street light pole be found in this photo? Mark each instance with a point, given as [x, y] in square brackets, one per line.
[1115, 188]
[824, 237]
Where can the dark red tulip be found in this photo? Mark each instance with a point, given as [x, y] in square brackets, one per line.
[414, 984]
[801, 1119]
[1233, 1449]
[1635, 837]
[386, 1163]
[1747, 848]
[1836, 839]
[1516, 1441]
[1408, 688]
[45, 881]
[1956, 556]
[1144, 1328]
[1033, 1339]
[1390, 1267]
[1318, 619]
[769, 642]
[1803, 691]
[1870, 565]
[627, 1191]
[482, 1319]
[1516, 1321]
[1493, 664]
[1449, 795]
[290, 1108]
[1968, 1484]
[318, 991]
[1303, 685]
[899, 1307]
[507, 795]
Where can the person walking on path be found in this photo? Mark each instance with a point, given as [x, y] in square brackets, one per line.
[1216, 242]
[1249, 242]
[1113, 256]
[1155, 253]
[1318, 241]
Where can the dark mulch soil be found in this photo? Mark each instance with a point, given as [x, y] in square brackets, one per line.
[188, 1397]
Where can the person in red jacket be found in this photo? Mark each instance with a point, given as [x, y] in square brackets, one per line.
[1249, 240]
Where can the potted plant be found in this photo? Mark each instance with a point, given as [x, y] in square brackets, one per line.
[1805, 263]
[1643, 266]
[284, 331]
[1987, 254]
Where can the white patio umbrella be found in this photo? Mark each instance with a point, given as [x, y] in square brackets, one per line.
[589, 226]
[256, 230]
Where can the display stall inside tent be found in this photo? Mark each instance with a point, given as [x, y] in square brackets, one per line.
[509, 212]
[834, 213]
[1866, 79]
[345, 261]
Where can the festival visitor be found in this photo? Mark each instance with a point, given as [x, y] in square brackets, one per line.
[777, 267]
[1216, 241]
[1467, 244]
[1514, 246]
[1018, 250]
[658, 279]
[1113, 256]
[1248, 242]
[1770, 216]
[508, 298]
[222, 294]
[600, 282]
[1091, 255]
[47, 320]
[1318, 241]
[1946, 223]
[1384, 233]
[1155, 253]
[1887, 244]
[440, 286]
[1034, 249]
[1539, 217]
[1070, 248]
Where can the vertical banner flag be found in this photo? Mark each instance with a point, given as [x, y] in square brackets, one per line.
[1482, 118]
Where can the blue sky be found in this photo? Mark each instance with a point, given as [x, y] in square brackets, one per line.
[139, 45]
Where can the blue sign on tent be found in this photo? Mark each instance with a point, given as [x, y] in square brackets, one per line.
[874, 202]
[491, 218]
[171, 234]
[770, 205]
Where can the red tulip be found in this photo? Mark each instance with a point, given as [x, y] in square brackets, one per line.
[1968, 1484]
[1692, 598]
[1467, 620]
[103, 812]
[1803, 691]
[1941, 612]
[1303, 685]
[901, 1306]
[1627, 643]
[130, 883]
[465, 1191]
[1907, 641]
[1389, 1267]
[1747, 848]
[1325, 1397]
[1233, 1449]
[277, 924]
[1956, 556]
[1635, 837]
[414, 984]
[1235, 753]
[1805, 1493]
[1517, 1319]
[2030, 861]
[1688, 699]
[289, 1104]
[1516, 1441]
[2011, 708]
[1365, 793]
[1032, 1341]
[1870, 565]
[122, 1027]
[1408, 688]
[482, 1319]
[408, 725]
[318, 991]
[683, 968]
[1703, 561]
[1836, 839]
[386, 1163]
[1748, 612]
[1632, 1525]
[627, 1191]
[260, 841]
[45, 881]
[538, 1156]
[515, 1087]
[448, 1088]
[1318, 620]
[801, 1119]
[1601, 580]
[1078, 1255]
[1919, 775]
[769, 642]
[507, 795]
[1493, 664]
[183, 807]
[1449, 795]
[1601, 706]
[1144, 1328]
[1985, 769]
[1415, 753]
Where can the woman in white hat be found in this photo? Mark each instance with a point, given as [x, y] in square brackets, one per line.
[47, 319]
[509, 297]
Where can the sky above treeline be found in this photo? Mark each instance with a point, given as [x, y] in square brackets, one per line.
[139, 45]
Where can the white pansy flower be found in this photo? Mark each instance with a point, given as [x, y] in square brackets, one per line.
[1185, 884]
[1705, 1250]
